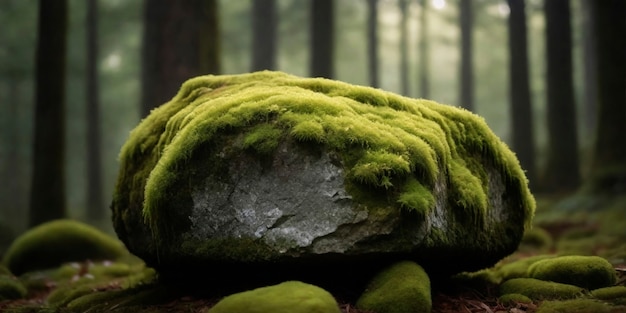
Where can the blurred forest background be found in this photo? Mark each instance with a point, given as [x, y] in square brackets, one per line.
[76, 76]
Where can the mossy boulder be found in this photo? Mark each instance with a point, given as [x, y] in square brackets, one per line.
[287, 297]
[268, 172]
[11, 288]
[53, 243]
[402, 288]
[589, 272]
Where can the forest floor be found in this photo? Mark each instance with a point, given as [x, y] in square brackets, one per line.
[574, 225]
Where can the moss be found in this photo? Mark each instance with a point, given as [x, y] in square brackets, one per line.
[291, 296]
[513, 299]
[589, 272]
[539, 290]
[386, 141]
[518, 268]
[609, 293]
[11, 288]
[4, 270]
[53, 243]
[573, 306]
[536, 239]
[401, 288]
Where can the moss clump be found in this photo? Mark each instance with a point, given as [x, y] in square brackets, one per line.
[398, 145]
[539, 290]
[573, 306]
[401, 288]
[513, 299]
[11, 288]
[536, 239]
[519, 268]
[287, 297]
[589, 272]
[53, 243]
[610, 293]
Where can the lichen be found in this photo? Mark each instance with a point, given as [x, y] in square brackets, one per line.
[386, 142]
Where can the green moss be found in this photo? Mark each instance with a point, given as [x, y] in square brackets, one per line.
[11, 288]
[539, 290]
[288, 297]
[589, 272]
[610, 293]
[512, 299]
[518, 268]
[403, 287]
[536, 239]
[385, 142]
[53, 243]
[573, 306]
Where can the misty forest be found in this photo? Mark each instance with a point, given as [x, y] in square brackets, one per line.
[471, 154]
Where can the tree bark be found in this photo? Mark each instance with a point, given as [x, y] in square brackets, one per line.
[467, 66]
[180, 41]
[95, 208]
[404, 48]
[562, 171]
[264, 35]
[609, 155]
[590, 93]
[47, 199]
[424, 53]
[372, 42]
[322, 38]
[521, 106]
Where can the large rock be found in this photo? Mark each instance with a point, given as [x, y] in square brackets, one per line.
[267, 172]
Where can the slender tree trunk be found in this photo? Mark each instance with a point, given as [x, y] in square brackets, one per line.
[264, 35]
[467, 66]
[95, 208]
[322, 38]
[404, 48]
[521, 106]
[372, 42]
[589, 66]
[13, 193]
[180, 41]
[424, 53]
[562, 172]
[609, 154]
[47, 200]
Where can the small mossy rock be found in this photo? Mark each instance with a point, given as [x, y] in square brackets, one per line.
[402, 288]
[269, 172]
[53, 243]
[589, 272]
[610, 293]
[539, 290]
[11, 288]
[512, 299]
[574, 306]
[287, 297]
[518, 268]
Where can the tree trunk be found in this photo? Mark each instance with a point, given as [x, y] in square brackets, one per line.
[404, 48]
[590, 86]
[467, 66]
[521, 106]
[180, 41]
[95, 208]
[372, 42]
[264, 35]
[424, 53]
[609, 155]
[47, 200]
[322, 38]
[562, 172]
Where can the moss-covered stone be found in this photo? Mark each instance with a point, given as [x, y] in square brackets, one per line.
[53, 243]
[435, 175]
[402, 288]
[539, 290]
[287, 297]
[11, 288]
[518, 268]
[589, 272]
[512, 299]
[573, 306]
[610, 293]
